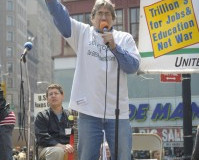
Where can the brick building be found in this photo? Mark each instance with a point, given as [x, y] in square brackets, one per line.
[127, 17]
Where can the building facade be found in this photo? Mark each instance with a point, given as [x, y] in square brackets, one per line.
[13, 32]
[22, 21]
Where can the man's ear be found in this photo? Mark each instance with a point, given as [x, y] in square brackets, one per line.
[92, 21]
[62, 96]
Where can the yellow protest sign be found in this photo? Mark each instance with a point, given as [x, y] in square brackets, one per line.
[172, 25]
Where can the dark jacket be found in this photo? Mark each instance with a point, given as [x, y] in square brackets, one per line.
[49, 131]
[195, 154]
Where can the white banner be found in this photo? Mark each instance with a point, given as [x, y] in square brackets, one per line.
[40, 103]
[169, 36]
[161, 112]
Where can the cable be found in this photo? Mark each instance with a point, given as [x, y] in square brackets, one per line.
[22, 109]
[106, 84]
[105, 102]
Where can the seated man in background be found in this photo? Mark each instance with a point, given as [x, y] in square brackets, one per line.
[52, 127]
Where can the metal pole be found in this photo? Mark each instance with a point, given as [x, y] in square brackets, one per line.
[29, 113]
[29, 109]
[187, 116]
[117, 112]
[0, 72]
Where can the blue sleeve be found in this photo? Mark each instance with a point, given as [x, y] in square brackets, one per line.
[60, 16]
[128, 63]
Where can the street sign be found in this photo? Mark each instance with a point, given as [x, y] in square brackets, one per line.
[40, 103]
[170, 78]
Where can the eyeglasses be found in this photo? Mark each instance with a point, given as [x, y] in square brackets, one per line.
[53, 93]
[106, 14]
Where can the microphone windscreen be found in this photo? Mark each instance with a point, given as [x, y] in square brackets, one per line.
[28, 45]
[104, 26]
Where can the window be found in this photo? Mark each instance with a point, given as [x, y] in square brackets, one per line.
[134, 22]
[10, 98]
[9, 82]
[82, 18]
[87, 18]
[9, 67]
[9, 21]
[9, 36]
[119, 20]
[78, 17]
[10, 6]
[60, 77]
[9, 52]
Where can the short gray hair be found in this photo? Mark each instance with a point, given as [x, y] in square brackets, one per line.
[106, 3]
[54, 86]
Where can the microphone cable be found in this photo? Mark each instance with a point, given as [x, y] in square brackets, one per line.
[22, 109]
[104, 27]
[106, 84]
[105, 106]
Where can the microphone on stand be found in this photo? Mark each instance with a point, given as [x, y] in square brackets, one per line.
[27, 47]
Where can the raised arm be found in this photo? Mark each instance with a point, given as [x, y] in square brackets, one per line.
[60, 16]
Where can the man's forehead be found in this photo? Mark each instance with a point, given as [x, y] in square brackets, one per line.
[104, 9]
[52, 89]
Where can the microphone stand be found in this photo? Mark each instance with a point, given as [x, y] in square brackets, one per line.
[23, 58]
[117, 112]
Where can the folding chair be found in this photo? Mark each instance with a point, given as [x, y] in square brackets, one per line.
[195, 153]
[147, 141]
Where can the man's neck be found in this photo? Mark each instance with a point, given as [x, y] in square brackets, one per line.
[57, 109]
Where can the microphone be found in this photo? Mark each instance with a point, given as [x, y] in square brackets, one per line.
[104, 26]
[27, 47]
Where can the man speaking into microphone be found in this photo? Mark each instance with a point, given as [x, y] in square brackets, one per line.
[99, 49]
